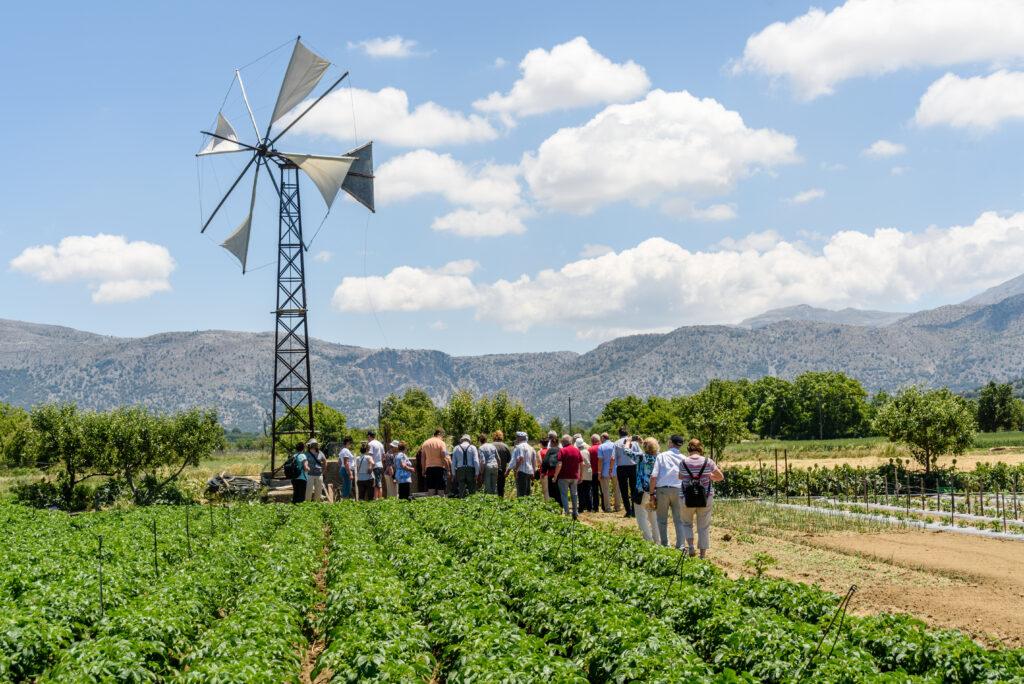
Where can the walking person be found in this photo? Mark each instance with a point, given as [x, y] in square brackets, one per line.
[466, 467]
[666, 486]
[595, 481]
[434, 456]
[606, 455]
[314, 467]
[625, 471]
[523, 464]
[697, 475]
[586, 485]
[295, 471]
[646, 512]
[490, 463]
[377, 453]
[347, 469]
[567, 475]
[504, 458]
[403, 472]
[365, 482]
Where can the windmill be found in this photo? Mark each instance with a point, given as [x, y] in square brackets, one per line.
[351, 172]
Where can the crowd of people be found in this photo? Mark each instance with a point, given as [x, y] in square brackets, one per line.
[630, 475]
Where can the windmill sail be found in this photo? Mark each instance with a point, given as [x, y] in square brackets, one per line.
[328, 173]
[359, 181]
[218, 146]
[238, 242]
[305, 70]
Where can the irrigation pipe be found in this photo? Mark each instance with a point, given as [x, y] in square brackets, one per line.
[918, 511]
[920, 524]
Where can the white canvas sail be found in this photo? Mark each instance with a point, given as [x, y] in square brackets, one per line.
[238, 242]
[224, 130]
[305, 70]
[327, 172]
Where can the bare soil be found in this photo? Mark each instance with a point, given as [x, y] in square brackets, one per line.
[954, 581]
[968, 461]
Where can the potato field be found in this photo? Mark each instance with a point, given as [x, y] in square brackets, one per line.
[435, 590]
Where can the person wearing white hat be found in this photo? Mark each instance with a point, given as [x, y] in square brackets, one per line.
[523, 463]
[490, 462]
[466, 464]
[390, 470]
[314, 467]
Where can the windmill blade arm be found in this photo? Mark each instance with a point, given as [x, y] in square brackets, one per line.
[273, 180]
[228, 193]
[242, 145]
[245, 98]
[306, 110]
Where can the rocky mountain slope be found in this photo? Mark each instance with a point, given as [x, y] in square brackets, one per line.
[961, 346]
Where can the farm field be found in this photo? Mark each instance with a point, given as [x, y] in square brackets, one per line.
[948, 580]
[435, 590]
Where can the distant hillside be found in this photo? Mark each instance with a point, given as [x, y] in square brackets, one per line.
[803, 312]
[998, 293]
[962, 346]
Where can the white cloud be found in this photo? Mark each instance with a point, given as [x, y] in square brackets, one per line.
[590, 251]
[462, 267]
[439, 325]
[407, 288]
[392, 46]
[661, 284]
[476, 223]
[500, 62]
[385, 116]
[818, 50]
[898, 170]
[806, 196]
[488, 196]
[572, 74]
[881, 149]
[680, 207]
[116, 270]
[669, 143]
[978, 104]
[323, 256]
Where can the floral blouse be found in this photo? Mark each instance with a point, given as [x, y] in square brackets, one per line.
[644, 466]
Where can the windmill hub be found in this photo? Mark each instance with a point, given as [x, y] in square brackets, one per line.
[292, 407]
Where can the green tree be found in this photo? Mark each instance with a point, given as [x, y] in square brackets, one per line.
[771, 406]
[458, 417]
[930, 423]
[15, 426]
[411, 417]
[629, 411]
[521, 420]
[63, 436]
[997, 409]
[557, 426]
[717, 415]
[827, 405]
[328, 422]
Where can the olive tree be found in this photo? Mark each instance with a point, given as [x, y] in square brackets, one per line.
[717, 415]
[929, 422]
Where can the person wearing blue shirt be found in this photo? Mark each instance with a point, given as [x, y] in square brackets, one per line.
[625, 471]
[299, 482]
[606, 455]
[403, 472]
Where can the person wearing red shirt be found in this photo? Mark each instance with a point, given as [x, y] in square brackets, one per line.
[596, 491]
[567, 475]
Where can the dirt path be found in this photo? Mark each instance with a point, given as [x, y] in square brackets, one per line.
[317, 643]
[967, 583]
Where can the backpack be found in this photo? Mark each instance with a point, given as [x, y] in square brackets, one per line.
[291, 468]
[551, 459]
[694, 494]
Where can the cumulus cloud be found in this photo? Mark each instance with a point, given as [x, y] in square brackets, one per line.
[392, 46]
[571, 74]
[818, 50]
[590, 251]
[659, 283]
[668, 144]
[806, 196]
[385, 116]
[113, 268]
[489, 196]
[407, 288]
[680, 207]
[881, 149]
[978, 104]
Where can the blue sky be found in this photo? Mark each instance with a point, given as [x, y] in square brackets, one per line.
[683, 163]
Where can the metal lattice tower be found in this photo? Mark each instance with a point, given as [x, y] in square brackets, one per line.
[292, 407]
[293, 389]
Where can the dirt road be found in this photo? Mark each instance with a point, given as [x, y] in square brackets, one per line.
[967, 583]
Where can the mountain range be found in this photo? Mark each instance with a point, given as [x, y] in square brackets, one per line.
[960, 346]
